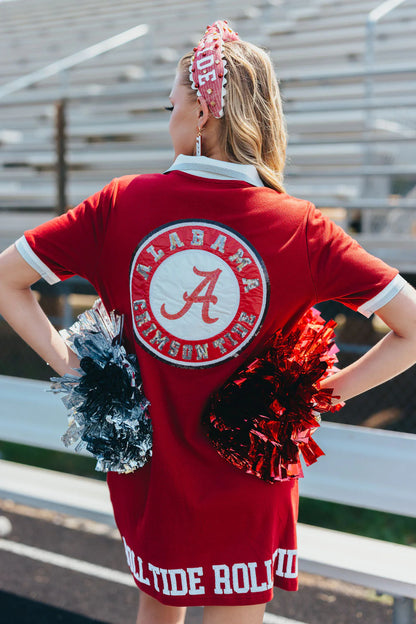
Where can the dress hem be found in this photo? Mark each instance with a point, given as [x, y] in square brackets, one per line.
[236, 600]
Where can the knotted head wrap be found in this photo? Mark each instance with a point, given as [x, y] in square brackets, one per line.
[208, 66]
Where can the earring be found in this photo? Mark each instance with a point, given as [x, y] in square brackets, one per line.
[198, 149]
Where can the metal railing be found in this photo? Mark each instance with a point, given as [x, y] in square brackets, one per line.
[72, 60]
[372, 20]
[61, 67]
[374, 16]
[371, 170]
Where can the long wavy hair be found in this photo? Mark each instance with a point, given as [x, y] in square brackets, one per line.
[253, 129]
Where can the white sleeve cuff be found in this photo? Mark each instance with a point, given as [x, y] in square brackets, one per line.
[36, 263]
[383, 297]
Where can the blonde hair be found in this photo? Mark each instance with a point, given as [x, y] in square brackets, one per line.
[253, 130]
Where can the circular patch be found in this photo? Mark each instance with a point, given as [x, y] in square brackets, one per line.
[199, 293]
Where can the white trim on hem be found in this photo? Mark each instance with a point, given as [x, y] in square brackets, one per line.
[36, 263]
[383, 297]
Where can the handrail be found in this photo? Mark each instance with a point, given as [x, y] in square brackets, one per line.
[373, 18]
[74, 59]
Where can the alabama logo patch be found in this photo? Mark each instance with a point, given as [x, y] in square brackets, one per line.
[199, 293]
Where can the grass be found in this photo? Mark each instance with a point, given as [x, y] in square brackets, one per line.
[52, 460]
[376, 524]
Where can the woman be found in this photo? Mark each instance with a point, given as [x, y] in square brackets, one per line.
[207, 262]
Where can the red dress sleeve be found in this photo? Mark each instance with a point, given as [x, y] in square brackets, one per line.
[343, 271]
[70, 244]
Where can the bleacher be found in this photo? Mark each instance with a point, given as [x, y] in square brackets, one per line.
[352, 147]
[352, 138]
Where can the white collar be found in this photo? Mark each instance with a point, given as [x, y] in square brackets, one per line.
[216, 169]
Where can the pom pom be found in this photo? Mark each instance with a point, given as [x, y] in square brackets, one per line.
[107, 410]
[266, 413]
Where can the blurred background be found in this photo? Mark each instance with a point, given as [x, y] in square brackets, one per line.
[83, 86]
[74, 114]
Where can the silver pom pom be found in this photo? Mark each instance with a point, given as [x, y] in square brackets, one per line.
[107, 410]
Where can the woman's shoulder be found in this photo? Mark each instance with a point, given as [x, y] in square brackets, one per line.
[282, 203]
[137, 179]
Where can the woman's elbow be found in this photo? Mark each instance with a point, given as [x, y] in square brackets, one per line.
[15, 272]
[399, 314]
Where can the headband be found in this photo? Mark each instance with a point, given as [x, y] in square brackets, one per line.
[208, 66]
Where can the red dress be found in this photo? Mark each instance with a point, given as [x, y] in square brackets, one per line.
[204, 270]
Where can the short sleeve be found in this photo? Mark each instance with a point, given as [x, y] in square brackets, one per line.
[343, 271]
[70, 244]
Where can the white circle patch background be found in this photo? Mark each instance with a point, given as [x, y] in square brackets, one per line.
[175, 276]
[199, 293]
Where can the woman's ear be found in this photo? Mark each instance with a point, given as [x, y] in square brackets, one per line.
[203, 114]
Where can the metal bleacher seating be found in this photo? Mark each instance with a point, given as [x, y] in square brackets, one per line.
[352, 132]
[349, 148]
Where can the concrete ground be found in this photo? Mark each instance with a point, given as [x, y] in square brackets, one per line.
[35, 589]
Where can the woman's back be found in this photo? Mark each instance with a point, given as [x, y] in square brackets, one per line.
[206, 264]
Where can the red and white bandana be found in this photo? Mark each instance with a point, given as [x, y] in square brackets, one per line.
[208, 66]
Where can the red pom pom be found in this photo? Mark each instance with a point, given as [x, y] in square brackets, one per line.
[266, 413]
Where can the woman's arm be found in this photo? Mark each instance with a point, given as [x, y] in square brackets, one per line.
[390, 356]
[20, 309]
